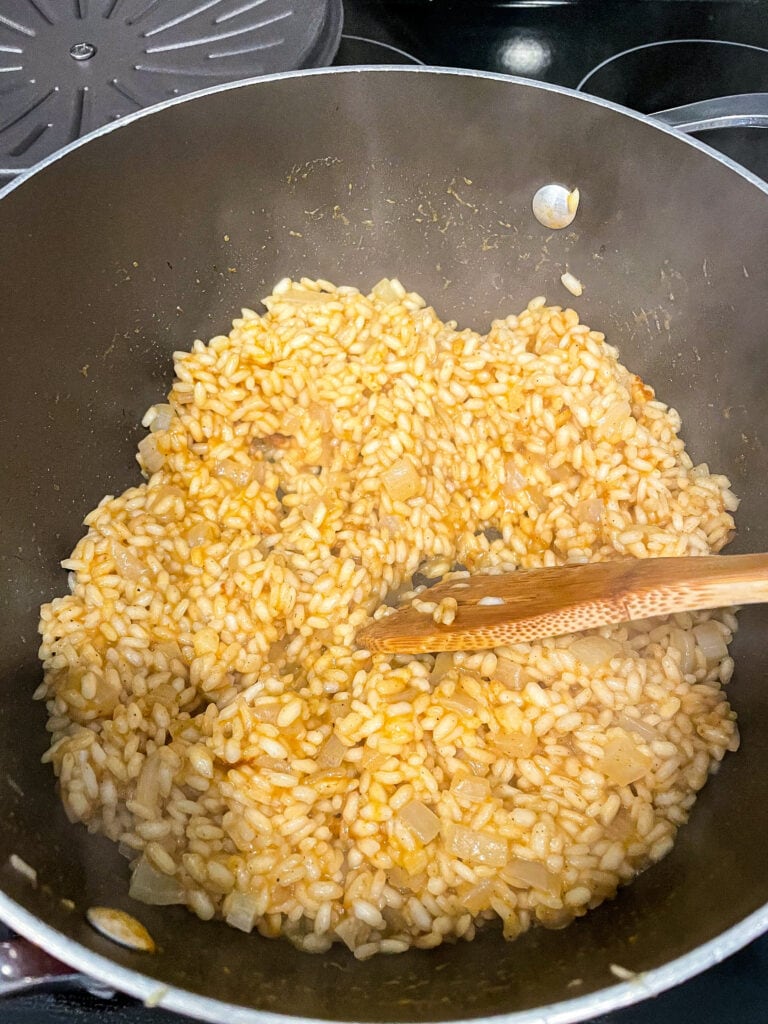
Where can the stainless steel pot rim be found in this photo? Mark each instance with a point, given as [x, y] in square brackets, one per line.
[385, 69]
[580, 1008]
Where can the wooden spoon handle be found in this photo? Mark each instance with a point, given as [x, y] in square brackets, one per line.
[532, 604]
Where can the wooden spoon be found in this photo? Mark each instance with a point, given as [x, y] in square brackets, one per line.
[516, 607]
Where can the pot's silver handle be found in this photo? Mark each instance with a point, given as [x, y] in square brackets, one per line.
[747, 110]
[25, 967]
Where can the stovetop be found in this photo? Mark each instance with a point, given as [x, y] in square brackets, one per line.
[647, 54]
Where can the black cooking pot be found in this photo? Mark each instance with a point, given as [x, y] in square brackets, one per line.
[156, 233]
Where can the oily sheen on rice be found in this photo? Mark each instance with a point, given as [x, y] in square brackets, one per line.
[210, 711]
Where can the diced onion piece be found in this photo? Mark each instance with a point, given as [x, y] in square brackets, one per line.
[395, 525]
[385, 291]
[530, 874]
[515, 398]
[292, 421]
[509, 673]
[594, 650]
[126, 563]
[266, 711]
[315, 509]
[424, 823]
[372, 759]
[516, 744]
[622, 825]
[169, 648]
[710, 641]
[514, 481]
[277, 649]
[147, 790]
[200, 533]
[476, 767]
[327, 450]
[590, 511]
[235, 472]
[561, 472]
[351, 931]
[622, 762]
[479, 896]
[554, 919]
[106, 696]
[443, 665]
[274, 764]
[161, 418]
[166, 503]
[470, 788]
[321, 414]
[636, 726]
[270, 446]
[205, 641]
[538, 497]
[165, 694]
[611, 423]
[242, 909]
[573, 284]
[298, 297]
[150, 455]
[461, 702]
[402, 696]
[331, 754]
[401, 480]
[398, 878]
[339, 709]
[685, 642]
[477, 847]
[151, 886]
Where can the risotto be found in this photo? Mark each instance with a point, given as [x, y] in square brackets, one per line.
[211, 712]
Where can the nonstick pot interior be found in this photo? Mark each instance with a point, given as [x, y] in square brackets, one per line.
[157, 233]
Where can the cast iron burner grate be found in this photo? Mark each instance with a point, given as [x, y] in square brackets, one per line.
[69, 66]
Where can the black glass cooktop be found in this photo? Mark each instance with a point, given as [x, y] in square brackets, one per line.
[646, 54]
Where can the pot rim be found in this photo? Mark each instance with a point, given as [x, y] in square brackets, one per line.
[154, 992]
[419, 69]
[568, 1011]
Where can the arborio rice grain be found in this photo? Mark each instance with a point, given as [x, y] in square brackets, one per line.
[209, 709]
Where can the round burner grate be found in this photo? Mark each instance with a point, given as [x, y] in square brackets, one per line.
[671, 72]
[69, 66]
